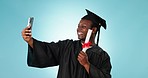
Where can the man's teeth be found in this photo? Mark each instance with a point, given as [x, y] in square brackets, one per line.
[80, 33]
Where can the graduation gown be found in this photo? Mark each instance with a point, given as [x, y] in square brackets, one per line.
[64, 53]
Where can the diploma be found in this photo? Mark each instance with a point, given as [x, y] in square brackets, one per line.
[86, 44]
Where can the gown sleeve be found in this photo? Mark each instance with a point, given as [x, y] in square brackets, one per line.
[44, 54]
[102, 69]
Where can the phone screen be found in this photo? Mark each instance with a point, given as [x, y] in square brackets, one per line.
[30, 21]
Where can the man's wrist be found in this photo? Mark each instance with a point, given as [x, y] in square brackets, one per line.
[30, 42]
[87, 66]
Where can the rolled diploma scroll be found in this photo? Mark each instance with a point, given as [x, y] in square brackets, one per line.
[87, 39]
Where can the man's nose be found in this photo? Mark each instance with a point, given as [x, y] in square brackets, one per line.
[79, 28]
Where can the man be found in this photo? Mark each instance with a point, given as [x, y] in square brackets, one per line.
[68, 54]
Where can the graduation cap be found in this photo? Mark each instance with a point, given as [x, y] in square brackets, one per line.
[96, 20]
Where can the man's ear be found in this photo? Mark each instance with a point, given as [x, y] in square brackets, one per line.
[94, 30]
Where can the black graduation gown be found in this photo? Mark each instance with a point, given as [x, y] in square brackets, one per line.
[64, 53]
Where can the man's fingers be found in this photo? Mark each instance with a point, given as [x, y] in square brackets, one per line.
[27, 31]
[79, 58]
[27, 37]
[28, 27]
[28, 34]
[82, 54]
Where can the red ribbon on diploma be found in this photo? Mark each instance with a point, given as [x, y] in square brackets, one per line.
[86, 45]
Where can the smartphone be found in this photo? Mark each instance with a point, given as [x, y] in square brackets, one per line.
[30, 21]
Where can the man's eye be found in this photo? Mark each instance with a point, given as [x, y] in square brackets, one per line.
[83, 26]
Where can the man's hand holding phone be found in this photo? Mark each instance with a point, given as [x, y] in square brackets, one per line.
[26, 32]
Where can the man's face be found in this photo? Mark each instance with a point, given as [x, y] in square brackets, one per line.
[82, 29]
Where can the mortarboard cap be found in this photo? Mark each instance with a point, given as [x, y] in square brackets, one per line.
[96, 20]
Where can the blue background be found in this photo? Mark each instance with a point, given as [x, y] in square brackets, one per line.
[125, 39]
